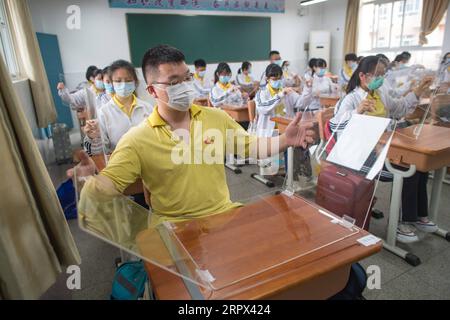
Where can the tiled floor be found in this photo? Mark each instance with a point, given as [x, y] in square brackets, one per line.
[399, 280]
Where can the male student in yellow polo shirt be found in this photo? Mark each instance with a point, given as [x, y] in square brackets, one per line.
[196, 187]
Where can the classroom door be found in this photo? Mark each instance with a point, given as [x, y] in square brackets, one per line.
[49, 46]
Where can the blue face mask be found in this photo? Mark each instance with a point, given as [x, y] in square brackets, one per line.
[224, 79]
[201, 74]
[278, 62]
[276, 84]
[108, 87]
[322, 72]
[376, 83]
[448, 61]
[99, 84]
[124, 89]
[354, 65]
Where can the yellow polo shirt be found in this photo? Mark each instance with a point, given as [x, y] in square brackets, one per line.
[122, 106]
[179, 190]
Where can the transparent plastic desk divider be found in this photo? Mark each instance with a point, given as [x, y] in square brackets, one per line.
[353, 151]
[229, 252]
[426, 111]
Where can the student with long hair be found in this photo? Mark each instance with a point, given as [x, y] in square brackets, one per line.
[224, 93]
[367, 95]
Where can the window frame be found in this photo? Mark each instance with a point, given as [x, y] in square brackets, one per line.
[400, 48]
[7, 44]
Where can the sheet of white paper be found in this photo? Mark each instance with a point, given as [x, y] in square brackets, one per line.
[378, 166]
[357, 141]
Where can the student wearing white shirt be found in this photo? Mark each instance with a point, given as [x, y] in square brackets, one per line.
[274, 57]
[201, 84]
[366, 95]
[290, 79]
[121, 113]
[224, 93]
[274, 100]
[245, 80]
[79, 99]
[350, 65]
[321, 84]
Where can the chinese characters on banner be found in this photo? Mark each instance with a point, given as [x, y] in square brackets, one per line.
[211, 5]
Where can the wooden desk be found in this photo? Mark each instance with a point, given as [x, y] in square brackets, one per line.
[239, 114]
[282, 123]
[430, 151]
[328, 101]
[261, 235]
[135, 188]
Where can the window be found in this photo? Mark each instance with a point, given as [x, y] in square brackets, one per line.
[393, 26]
[6, 44]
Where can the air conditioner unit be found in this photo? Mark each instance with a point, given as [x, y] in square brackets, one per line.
[320, 45]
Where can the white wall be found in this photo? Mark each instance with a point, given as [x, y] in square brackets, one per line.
[103, 35]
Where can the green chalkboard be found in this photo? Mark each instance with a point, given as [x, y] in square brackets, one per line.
[213, 38]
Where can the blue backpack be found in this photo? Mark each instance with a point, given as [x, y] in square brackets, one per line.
[66, 196]
[129, 281]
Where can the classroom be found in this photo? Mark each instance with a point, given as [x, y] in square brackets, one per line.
[225, 150]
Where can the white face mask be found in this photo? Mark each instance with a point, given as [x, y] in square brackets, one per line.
[181, 96]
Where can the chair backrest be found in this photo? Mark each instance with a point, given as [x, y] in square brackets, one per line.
[323, 117]
[437, 103]
[251, 110]
[328, 102]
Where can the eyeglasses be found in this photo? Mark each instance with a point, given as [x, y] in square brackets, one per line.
[187, 78]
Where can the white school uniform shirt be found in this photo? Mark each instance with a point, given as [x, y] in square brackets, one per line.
[266, 104]
[396, 108]
[114, 123]
[221, 95]
[78, 100]
[444, 73]
[202, 86]
[245, 81]
[321, 85]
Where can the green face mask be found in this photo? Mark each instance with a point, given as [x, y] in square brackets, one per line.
[376, 83]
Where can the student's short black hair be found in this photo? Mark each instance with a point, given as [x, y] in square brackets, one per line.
[384, 57]
[90, 72]
[123, 64]
[97, 72]
[159, 55]
[406, 54]
[312, 63]
[285, 62]
[106, 71]
[245, 66]
[320, 63]
[273, 70]
[200, 63]
[221, 67]
[351, 57]
[273, 52]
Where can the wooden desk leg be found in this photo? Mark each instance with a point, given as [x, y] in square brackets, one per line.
[394, 214]
[435, 199]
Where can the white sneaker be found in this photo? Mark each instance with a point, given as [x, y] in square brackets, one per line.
[426, 225]
[405, 234]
